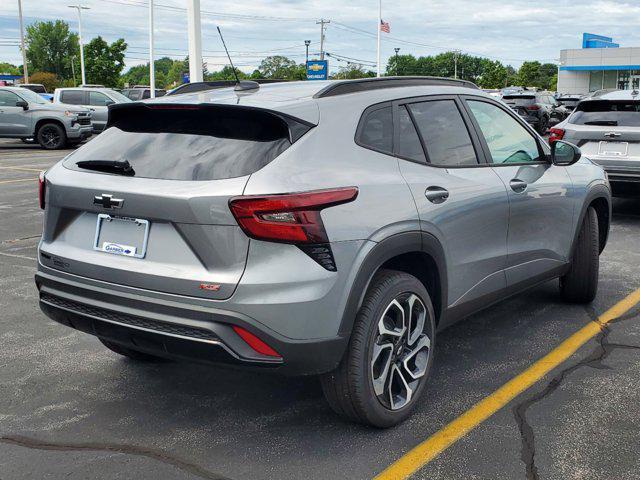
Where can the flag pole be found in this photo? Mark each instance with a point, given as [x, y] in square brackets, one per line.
[379, 32]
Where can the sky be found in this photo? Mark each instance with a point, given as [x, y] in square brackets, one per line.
[507, 30]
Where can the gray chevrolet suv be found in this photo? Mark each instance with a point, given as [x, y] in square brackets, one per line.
[314, 228]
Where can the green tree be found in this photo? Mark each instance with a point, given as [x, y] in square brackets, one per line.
[402, 65]
[104, 62]
[225, 74]
[352, 71]
[10, 69]
[494, 74]
[529, 74]
[49, 80]
[50, 47]
[282, 68]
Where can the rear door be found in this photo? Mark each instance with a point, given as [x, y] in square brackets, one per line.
[98, 104]
[459, 198]
[541, 212]
[163, 223]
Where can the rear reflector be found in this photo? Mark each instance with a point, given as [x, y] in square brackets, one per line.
[42, 190]
[255, 343]
[288, 218]
[533, 107]
[555, 134]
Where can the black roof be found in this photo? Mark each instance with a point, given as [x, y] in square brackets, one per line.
[366, 84]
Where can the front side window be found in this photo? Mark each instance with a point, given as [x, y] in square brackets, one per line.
[99, 99]
[508, 141]
[444, 133]
[376, 130]
[72, 97]
[8, 99]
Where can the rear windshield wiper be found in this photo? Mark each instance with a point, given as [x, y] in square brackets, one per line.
[120, 167]
[606, 123]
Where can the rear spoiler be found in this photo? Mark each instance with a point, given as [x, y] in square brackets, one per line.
[162, 117]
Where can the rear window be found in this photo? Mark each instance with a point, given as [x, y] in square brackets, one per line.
[184, 142]
[621, 113]
[36, 88]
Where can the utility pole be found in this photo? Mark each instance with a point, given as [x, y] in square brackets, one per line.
[306, 44]
[195, 40]
[455, 63]
[25, 70]
[397, 49]
[73, 69]
[322, 22]
[80, 8]
[152, 66]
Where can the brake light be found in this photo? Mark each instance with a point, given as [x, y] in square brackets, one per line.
[255, 343]
[42, 190]
[555, 134]
[288, 218]
[533, 107]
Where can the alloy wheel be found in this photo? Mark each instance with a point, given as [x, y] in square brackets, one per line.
[400, 354]
[50, 137]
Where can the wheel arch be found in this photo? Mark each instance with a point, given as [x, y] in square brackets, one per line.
[417, 253]
[598, 197]
[44, 121]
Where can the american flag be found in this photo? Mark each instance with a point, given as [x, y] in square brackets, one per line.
[384, 27]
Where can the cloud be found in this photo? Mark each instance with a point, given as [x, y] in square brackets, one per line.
[508, 30]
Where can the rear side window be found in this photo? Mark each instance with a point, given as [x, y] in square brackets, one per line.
[444, 133]
[185, 142]
[409, 144]
[614, 113]
[376, 129]
[73, 97]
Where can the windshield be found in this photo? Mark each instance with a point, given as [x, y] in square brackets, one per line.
[32, 97]
[622, 113]
[118, 96]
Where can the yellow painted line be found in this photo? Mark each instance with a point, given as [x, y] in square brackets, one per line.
[22, 169]
[16, 181]
[426, 451]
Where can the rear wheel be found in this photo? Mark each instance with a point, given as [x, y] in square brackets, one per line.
[132, 354]
[387, 364]
[51, 136]
[580, 284]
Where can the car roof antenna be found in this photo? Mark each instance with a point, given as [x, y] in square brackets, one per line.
[241, 85]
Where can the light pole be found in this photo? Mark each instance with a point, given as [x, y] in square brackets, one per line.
[25, 70]
[79, 8]
[455, 63]
[397, 49]
[73, 69]
[306, 44]
[152, 68]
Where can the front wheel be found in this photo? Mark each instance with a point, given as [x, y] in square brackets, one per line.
[580, 284]
[51, 136]
[387, 363]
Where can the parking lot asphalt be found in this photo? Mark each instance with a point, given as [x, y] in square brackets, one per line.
[69, 408]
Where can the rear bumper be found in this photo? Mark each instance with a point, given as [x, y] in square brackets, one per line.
[173, 330]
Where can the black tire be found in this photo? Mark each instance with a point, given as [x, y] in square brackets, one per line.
[543, 126]
[580, 284]
[129, 353]
[51, 136]
[349, 389]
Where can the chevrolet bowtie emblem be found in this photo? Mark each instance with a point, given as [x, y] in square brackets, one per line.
[107, 201]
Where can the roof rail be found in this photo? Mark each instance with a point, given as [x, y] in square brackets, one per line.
[366, 84]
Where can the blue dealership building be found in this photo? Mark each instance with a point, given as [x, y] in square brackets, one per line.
[600, 63]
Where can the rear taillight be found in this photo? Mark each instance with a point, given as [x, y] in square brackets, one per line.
[533, 107]
[42, 190]
[555, 134]
[288, 218]
[255, 343]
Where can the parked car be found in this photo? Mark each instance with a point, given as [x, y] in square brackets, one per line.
[39, 89]
[26, 115]
[607, 128]
[95, 99]
[539, 109]
[142, 93]
[570, 101]
[314, 228]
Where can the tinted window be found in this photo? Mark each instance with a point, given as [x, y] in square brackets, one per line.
[205, 144]
[35, 88]
[146, 94]
[508, 141]
[376, 130]
[444, 133]
[99, 99]
[409, 145]
[8, 99]
[74, 97]
[623, 113]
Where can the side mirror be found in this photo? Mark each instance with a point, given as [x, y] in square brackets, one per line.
[110, 102]
[23, 104]
[564, 153]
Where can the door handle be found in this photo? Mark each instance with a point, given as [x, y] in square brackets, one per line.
[436, 194]
[518, 186]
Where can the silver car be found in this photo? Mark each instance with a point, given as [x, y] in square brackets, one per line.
[314, 228]
[95, 99]
[607, 128]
